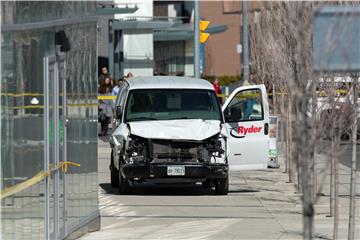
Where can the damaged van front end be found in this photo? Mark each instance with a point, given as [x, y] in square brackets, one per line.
[175, 151]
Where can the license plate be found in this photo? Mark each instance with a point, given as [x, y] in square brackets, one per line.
[176, 170]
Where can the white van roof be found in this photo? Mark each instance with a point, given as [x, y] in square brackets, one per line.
[168, 82]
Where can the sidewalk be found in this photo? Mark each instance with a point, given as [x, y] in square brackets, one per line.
[280, 198]
[260, 205]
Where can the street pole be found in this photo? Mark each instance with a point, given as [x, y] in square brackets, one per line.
[196, 39]
[111, 49]
[245, 42]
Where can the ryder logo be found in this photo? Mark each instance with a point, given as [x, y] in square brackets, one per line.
[244, 130]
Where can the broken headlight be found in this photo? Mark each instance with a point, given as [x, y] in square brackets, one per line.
[136, 149]
[215, 146]
[213, 149]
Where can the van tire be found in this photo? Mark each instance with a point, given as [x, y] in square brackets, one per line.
[114, 178]
[125, 186]
[222, 186]
[209, 183]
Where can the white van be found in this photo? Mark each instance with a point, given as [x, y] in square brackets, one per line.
[173, 130]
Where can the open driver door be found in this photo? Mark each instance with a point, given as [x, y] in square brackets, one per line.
[246, 114]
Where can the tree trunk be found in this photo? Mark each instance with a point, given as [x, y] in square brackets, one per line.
[351, 233]
[308, 204]
[315, 137]
[336, 186]
[289, 145]
[287, 137]
[283, 121]
[305, 147]
[308, 226]
[332, 172]
[274, 99]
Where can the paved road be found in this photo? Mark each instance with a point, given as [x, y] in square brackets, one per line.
[181, 211]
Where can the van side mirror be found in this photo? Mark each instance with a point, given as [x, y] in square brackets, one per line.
[118, 112]
[266, 129]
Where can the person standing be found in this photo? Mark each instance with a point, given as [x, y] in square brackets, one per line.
[115, 87]
[104, 74]
[217, 89]
[105, 106]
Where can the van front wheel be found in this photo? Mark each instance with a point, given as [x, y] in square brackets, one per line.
[114, 173]
[114, 177]
[125, 186]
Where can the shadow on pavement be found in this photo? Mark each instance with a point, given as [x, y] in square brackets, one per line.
[151, 189]
[244, 190]
[108, 189]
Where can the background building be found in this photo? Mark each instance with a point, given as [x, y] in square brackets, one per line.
[156, 39]
[48, 114]
[223, 51]
[135, 37]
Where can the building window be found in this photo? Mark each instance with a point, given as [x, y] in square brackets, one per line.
[169, 57]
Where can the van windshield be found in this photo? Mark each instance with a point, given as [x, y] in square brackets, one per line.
[171, 104]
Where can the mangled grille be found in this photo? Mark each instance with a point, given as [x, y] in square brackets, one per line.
[175, 152]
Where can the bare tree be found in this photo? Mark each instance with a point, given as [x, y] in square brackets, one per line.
[351, 232]
[283, 58]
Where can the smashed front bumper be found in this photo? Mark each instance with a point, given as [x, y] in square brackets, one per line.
[150, 170]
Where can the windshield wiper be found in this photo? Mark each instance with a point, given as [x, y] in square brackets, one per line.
[175, 118]
[141, 119]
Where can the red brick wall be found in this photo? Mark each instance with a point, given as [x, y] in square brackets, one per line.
[221, 57]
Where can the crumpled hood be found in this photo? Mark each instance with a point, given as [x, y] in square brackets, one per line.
[184, 129]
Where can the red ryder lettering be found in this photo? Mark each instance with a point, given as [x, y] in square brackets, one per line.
[245, 130]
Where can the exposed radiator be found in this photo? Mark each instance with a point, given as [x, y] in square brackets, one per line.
[163, 151]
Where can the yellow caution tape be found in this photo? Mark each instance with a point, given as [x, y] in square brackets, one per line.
[106, 97]
[21, 94]
[82, 105]
[28, 107]
[64, 167]
[100, 97]
[248, 95]
[35, 179]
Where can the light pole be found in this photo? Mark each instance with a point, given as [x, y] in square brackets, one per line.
[245, 42]
[196, 39]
